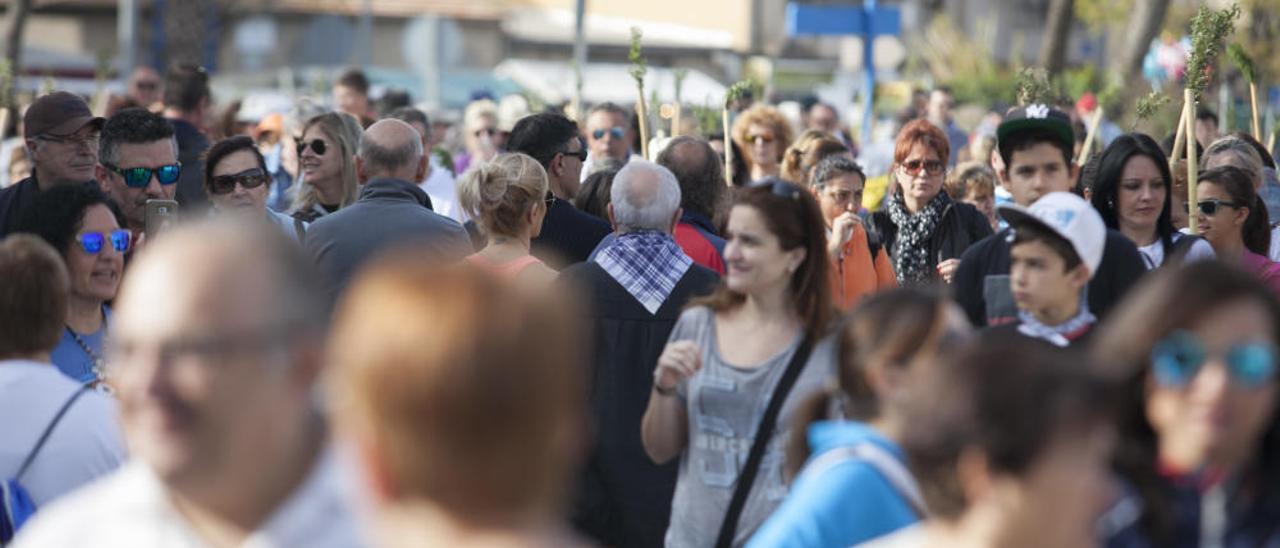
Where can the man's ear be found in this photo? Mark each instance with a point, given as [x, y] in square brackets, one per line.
[103, 177]
[424, 166]
[613, 221]
[361, 176]
[1079, 276]
[675, 219]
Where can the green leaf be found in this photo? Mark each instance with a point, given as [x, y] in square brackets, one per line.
[1208, 29]
[736, 91]
[636, 56]
[1241, 59]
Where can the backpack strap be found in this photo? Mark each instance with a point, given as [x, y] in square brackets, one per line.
[300, 228]
[49, 430]
[747, 478]
[884, 462]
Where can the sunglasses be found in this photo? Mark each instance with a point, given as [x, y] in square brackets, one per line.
[1176, 360]
[140, 177]
[225, 184]
[550, 199]
[616, 132]
[318, 146]
[580, 154]
[486, 131]
[931, 167]
[1210, 207]
[766, 138]
[93, 242]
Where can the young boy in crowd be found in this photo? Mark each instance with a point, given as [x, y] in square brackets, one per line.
[1056, 248]
[1036, 144]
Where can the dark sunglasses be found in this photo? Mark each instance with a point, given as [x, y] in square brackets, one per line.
[580, 154]
[225, 184]
[616, 132]
[146, 85]
[486, 131]
[1210, 207]
[1176, 360]
[140, 177]
[550, 199]
[318, 146]
[93, 242]
[931, 167]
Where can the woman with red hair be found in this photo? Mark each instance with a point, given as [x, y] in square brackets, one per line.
[924, 231]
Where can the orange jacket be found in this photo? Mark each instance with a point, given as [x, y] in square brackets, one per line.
[854, 275]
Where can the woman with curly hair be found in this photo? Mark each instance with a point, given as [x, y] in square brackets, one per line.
[762, 133]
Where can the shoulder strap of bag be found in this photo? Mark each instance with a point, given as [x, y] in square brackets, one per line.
[742, 487]
[300, 229]
[885, 463]
[49, 430]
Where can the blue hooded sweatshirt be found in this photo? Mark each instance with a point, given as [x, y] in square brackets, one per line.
[847, 503]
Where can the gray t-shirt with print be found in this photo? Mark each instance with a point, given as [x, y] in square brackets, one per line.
[725, 404]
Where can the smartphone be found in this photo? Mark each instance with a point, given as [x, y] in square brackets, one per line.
[160, 214]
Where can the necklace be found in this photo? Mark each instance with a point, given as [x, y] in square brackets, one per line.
[98, 364]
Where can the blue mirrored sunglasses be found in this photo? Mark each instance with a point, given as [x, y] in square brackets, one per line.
[93, 242]
[140, 177]
[1178, 358]
[616, 132]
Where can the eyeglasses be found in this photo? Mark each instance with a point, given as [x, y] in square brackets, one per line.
[318, 146]
[931, 167]
[486, 131]
[1210, 207]
[90, 140]
[616, 132]
[1176, 360]
[550, 199]
[225, 184]
[842, 196]
[761, 137]
[140, 177]
[146, 85]
[580, 154]
[93, 242]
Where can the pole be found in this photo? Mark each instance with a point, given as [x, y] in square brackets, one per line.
[728, 149]
[126, 30]
[869, 72]
[1253, 101]
[1088, 140]
[1189, 113]
[1178, 136]
[366, 34]
[579, 55]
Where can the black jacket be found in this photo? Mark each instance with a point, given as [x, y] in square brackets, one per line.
[981, 284]
[191, 147]
[624, 499]
[961, 226]
[568, 235]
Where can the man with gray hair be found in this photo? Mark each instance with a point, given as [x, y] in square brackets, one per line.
[137, 162]
[634, 288]
[215, 352]
[392, 211]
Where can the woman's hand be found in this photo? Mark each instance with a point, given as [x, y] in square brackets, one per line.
[679, 361]
[841, 231]
[947, 269]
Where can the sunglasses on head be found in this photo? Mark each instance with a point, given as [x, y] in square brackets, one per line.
[140, 177]
[931, 167]
[225, 184]
[1176, 360]
[780, 188]
[93, 242]
[318, 146]
[1210, 206]
[616, 132]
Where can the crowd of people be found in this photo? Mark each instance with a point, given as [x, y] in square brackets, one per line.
[349, 338]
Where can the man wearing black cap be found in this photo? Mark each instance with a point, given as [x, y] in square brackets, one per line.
[62, 140]
[1036, 144]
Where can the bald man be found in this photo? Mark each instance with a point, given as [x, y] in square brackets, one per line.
[392, 212]
[215, 353]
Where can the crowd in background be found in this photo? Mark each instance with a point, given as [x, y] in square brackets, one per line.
[353, 323]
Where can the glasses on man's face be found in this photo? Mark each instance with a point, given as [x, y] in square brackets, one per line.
[140, 177]
[549, 199]
[486, 131]
[580, 154]
[615, 132]
[202, 349]
[930, 167]
[94, 242]
[145, 85]
[249, 178]
[1211, 206]
[1179, 357]
[318, 146]
[89, 141]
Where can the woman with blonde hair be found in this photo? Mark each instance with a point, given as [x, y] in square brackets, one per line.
[326, 166]
[762, 133]
[508, 198]
[803, 155]
[479, 134]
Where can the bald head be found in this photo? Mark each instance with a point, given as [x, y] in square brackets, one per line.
[391, 149]
[697, 167]
[645, 196]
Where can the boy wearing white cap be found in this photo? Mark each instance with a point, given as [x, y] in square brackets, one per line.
[1056, 248]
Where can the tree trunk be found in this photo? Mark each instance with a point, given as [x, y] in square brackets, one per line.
[1057, 29]
[1144, 23]
[15, 22]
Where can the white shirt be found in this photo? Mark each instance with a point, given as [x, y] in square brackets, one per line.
[440, 186]
[1153, 255]
[130, 508]
[85, 444]
[1274, 253]
[907, 537]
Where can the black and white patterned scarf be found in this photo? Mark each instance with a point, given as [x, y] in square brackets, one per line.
[911, 250]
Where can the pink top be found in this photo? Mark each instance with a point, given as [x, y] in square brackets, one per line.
[509, 270]
[1267, 271]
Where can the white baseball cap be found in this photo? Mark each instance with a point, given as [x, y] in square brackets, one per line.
[1066, 215]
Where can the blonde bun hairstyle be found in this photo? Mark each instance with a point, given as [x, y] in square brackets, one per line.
[499, 193]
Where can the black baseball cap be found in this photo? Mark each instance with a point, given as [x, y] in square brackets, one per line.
[60, 114]
[1037, 116]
